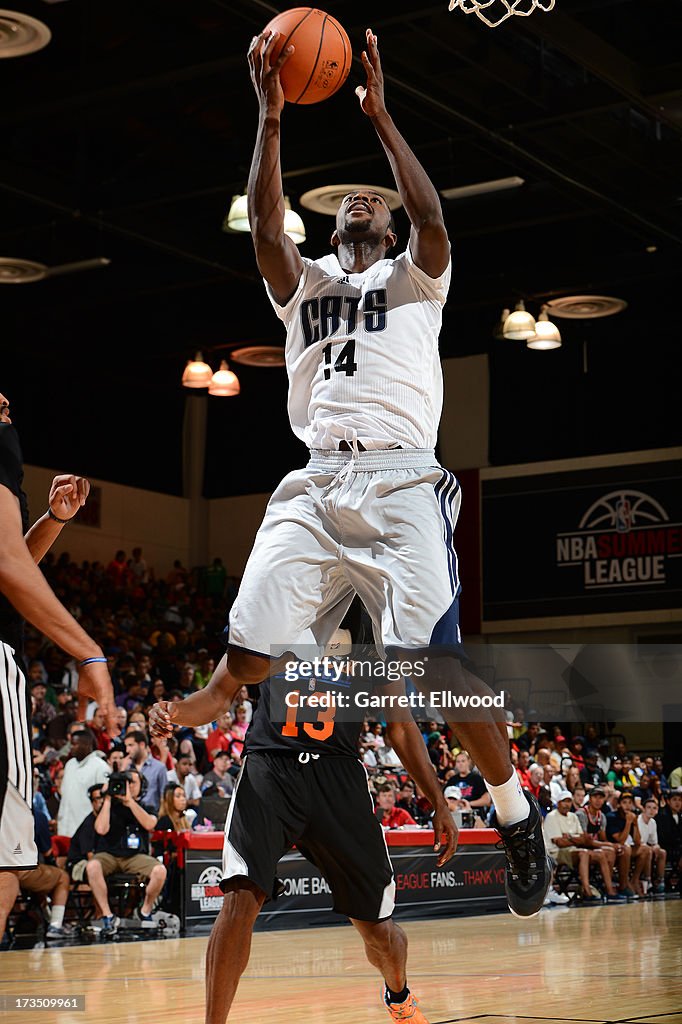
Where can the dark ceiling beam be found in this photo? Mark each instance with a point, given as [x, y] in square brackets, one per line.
[604, 61]
[99, 95]
[94, 220]
[589, 104]
[500, 141]
[551, 279]
[511, 75]
[516, 224]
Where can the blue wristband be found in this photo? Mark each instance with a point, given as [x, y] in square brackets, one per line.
[90, 661]
[56, 518]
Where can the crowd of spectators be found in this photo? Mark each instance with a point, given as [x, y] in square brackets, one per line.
[607, 809]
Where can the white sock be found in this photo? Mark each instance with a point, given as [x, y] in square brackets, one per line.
[57, 915]
[510, 803]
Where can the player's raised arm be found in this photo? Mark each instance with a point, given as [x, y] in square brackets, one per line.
[277, 256]
[428, 238]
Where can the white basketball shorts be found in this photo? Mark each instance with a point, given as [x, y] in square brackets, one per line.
[18, 850]
[376, 523]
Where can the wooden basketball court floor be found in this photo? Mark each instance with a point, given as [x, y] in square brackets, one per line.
[596, 964]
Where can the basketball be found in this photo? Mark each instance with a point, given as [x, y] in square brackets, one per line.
[322, 56]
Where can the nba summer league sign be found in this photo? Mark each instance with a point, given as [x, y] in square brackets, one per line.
[585, 542]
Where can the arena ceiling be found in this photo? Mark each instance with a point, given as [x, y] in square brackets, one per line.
[126, 137]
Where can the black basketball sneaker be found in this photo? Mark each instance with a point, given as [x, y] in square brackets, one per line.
[529, 869]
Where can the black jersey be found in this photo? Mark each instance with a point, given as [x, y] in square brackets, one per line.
[11, 477]
[326, 730]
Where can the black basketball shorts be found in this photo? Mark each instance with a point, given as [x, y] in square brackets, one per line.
[322, 805]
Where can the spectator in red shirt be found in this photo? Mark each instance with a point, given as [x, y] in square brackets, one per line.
[522, 769]
[221, 737]
[392, 817]
[97, 726]
[577, 746]
[536, 776]
[118, 570]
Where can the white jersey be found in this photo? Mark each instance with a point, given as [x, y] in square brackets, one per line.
[362, 354]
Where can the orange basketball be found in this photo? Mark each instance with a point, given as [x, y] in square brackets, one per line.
[322, 57]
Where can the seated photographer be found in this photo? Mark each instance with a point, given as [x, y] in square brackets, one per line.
[84, 839]
[122, 828]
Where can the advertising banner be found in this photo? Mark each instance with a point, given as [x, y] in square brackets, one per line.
[585, 542]
[472, 882]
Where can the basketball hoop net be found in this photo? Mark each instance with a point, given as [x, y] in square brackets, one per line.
[501, 9]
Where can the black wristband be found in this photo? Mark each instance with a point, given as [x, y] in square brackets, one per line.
[56, 518]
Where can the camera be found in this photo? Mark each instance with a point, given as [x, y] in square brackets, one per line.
[118, 782]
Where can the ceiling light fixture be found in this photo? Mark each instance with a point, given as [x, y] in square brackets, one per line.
[223, 383]
[327, 198]
[197, 373]
[481, 188]
[14, 270]
[547, 335]
[237, 219]
[259, 355]
[519, 325]
[585, 307]
[20, 34]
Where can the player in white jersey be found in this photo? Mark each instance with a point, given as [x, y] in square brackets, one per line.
[372, 513]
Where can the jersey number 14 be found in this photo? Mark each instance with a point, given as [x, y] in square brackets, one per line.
[345, 362]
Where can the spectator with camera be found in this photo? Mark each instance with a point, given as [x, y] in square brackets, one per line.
[85, 767]
[140, 756]
[83, 841]
[122, 827]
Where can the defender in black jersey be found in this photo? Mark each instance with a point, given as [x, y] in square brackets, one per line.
[24, 593]
[303, 784]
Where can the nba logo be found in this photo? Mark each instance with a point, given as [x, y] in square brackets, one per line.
[623, 516]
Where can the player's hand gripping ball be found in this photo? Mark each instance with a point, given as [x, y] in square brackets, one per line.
[322, 56]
